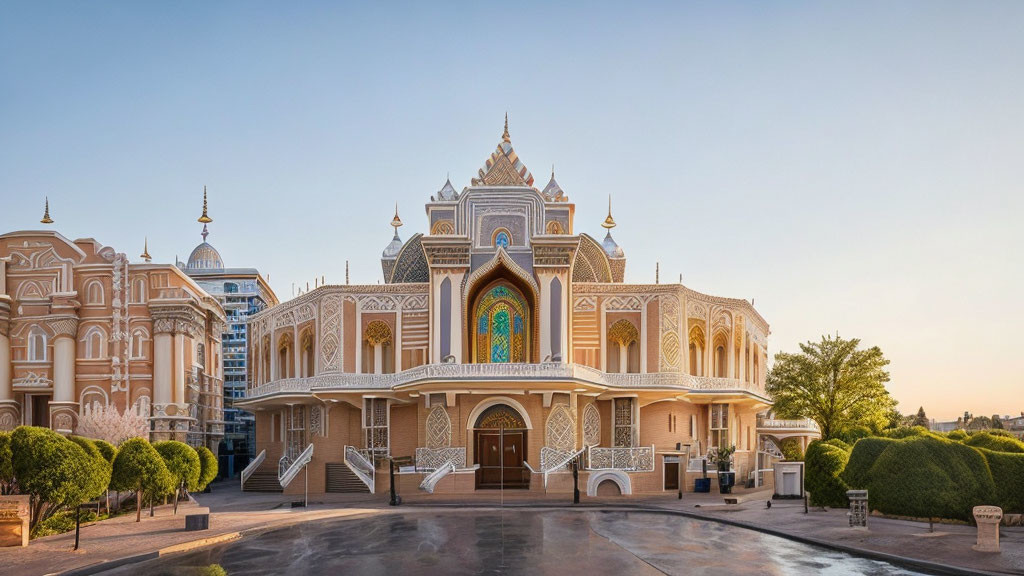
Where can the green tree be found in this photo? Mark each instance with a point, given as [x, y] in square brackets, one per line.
[834, 383]
[57, 472]
[100, 468]
[997, 422]
[182, 462]
[921, 419]
[139, 468]
[208, 467]
[7, 485]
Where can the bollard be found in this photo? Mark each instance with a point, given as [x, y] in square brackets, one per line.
[858, 513]
[987, 518]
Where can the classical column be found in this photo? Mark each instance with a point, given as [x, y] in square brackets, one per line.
[730, 350]
[273, 358]
[162, 369]
[296, 353]
[8, 407]
[642, 344]
[743, 354]
[179, 368]
[64, 408]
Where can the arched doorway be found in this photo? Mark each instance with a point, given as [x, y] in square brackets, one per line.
[501, 325]
[499, 439]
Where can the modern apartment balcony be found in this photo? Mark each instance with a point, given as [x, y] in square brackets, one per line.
[513, 374]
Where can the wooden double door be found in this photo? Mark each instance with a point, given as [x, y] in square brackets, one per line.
[500, 454]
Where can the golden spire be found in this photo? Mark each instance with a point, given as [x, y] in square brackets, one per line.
[505, 135]
[205, 218]
[609, 222]
[145, 252]
[396, 221]
[46, 213]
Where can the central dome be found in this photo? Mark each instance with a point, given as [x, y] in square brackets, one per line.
[205, 257]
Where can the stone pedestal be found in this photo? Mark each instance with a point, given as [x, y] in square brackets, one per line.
[987, 518]
[14, 520]
[789, 479]
[858, 509]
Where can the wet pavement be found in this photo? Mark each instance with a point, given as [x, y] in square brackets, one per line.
[508, 541]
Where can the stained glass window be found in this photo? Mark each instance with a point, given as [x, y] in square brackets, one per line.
[501, 323]
[502, 240]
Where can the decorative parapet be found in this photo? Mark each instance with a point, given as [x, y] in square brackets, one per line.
[428, 459]
[640, 459]
[544, 372]
[800, 424]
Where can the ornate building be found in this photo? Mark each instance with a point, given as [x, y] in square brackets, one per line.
[82, 328]
[503, 346]
[241, 292]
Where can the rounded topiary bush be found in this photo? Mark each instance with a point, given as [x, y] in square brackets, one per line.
[929, 477]
[100, 468]
[995, 442]
[1008, 476]
[862, 458]
[824, 462]
[906, 432]
[957, 435]
[139, 468]
[108, 450]
[854, 433]
[791, 450]
[208, 467]
[6, 467]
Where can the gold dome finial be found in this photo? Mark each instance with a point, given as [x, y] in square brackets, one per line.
[205, 218]
[609, 222]
[505, 135]
[145, 251]
[46, 213]
[396, 221]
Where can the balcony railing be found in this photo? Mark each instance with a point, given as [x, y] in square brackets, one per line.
[547, 372]
[639, 459]
[800, 424]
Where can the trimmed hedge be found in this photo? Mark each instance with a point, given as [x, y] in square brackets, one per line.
[208, 467]
[862, 458]
[957, 435]
[6, 466]
[824, 462]
[108, 450]
[853, 433]
[995, 442]
[1008, 475]
[182, 462]
[929, 477]
[907, 432]
[99, 476]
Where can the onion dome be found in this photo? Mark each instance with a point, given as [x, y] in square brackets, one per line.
[611, 248]
[392, 249]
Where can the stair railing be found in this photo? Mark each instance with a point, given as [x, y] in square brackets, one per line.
[431, 480]
[563, 462]
[362, 467]
[285, 477]
[251, 468]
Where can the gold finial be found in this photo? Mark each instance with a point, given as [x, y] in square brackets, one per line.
[46, 213]
[609, 222]
[205, 218]
[396, 221]
[145, 251]
[505, 135]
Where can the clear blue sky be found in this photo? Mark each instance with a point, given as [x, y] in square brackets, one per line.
[853, 167]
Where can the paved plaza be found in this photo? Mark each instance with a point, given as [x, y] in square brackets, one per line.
[648, 535]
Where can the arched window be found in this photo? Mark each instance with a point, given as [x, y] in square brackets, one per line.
[94, 292]
[138, 349]
[267, 376]
[378, 348]
[307, 354]
[502, 326]
[721, 362]
[554, 227]
[95, 343]
[285, 357]
[623, 348]
[230, 288]
[139, 291]
[37, 344]
[697, 351]
[502, 238]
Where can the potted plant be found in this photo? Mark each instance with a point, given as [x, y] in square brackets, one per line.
[722, 457]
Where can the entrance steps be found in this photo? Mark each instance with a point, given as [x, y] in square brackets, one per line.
[262, 481]
[341, 480]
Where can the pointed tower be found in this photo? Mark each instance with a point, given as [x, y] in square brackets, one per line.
[553, 192]
[390, 254]
[46, 213]
[145, 251]
[616, 255]
[504, 168]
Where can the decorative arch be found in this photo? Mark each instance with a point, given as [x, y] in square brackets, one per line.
[560, 430]
[502, 238]
[378, 349]
[591, 262]
[501, 270]
[591, 426]
[554, 227]
[720, 349]
[439, 428]
[37, 344]
[94, 293]
[137, 350]
[696, 350]
[482, 407]
[95, 343]
[306, 351]
[92, 397]
[501, 324]
[442, 228]
[617, 476]
[285, 356]
[623, 348]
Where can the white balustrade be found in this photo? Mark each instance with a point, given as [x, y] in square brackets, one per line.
[546, 371]
[800, 424]
[429, 459]
[431, 480]
[638, 459]
[290, 466]
[251, 468]
[361, 464]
